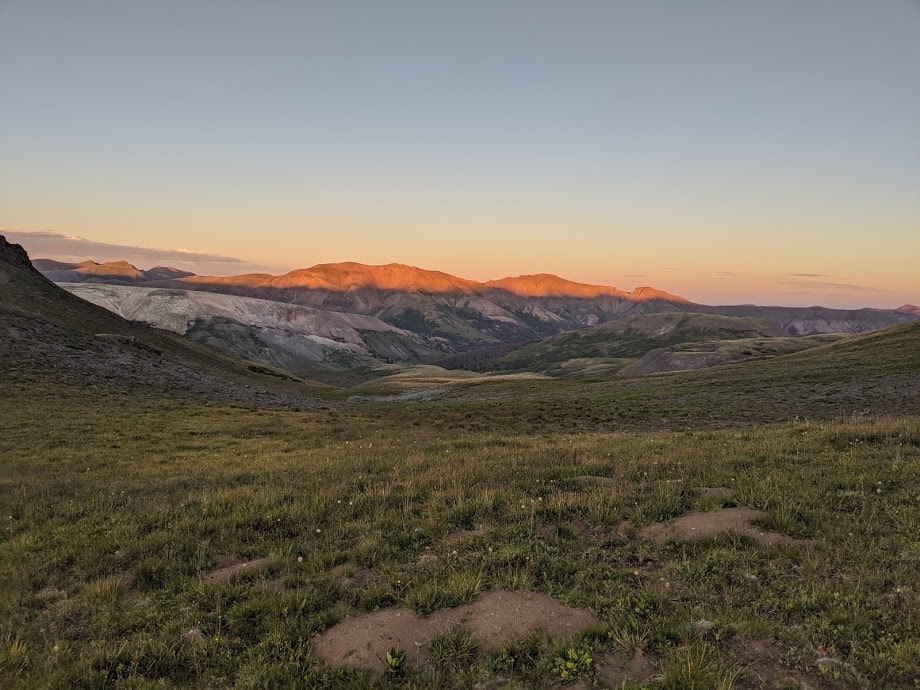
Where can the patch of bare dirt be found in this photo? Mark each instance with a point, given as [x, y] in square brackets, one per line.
[498, 618]
[228, 567]
[495, 619]
[768, 665]
[706, 525]
[615, 670]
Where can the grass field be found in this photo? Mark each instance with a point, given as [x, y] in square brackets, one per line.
[126, 520]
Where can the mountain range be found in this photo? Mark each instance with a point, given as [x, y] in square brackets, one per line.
[344, 315]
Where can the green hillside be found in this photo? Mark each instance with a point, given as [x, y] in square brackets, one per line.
[611, 346]
[875, 373]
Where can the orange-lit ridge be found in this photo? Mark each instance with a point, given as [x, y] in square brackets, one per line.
[341, 277]
[345, 276]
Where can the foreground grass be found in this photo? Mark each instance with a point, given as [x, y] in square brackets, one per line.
[114, 511]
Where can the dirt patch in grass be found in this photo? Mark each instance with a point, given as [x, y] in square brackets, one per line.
[228, 567]
[495, 619]
[707, 525]
[768, 664]
[616, 669]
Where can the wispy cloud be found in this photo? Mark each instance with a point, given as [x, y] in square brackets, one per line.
[823, 285]
[807, 275]
[725, 273]
[44, 244]
[635, 275]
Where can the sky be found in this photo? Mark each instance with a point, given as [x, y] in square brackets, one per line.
[726, 151]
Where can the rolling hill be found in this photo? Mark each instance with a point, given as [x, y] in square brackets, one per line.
[617, 344]
[113, 272]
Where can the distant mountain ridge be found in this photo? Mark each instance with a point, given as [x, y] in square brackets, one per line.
[112, 272]
[441, 314]
[345, 276]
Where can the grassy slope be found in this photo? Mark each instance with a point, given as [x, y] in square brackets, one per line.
[617, 344]
[871, 374]
[698, 355]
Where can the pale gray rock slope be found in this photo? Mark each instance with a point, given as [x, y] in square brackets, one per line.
[295, 337]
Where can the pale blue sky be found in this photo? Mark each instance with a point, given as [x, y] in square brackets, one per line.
[715, 149]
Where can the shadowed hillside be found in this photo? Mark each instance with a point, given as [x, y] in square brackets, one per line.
[48, 336]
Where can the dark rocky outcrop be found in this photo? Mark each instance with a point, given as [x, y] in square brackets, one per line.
[15, 255]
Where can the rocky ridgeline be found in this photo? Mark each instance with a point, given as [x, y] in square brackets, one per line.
[15, 255]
